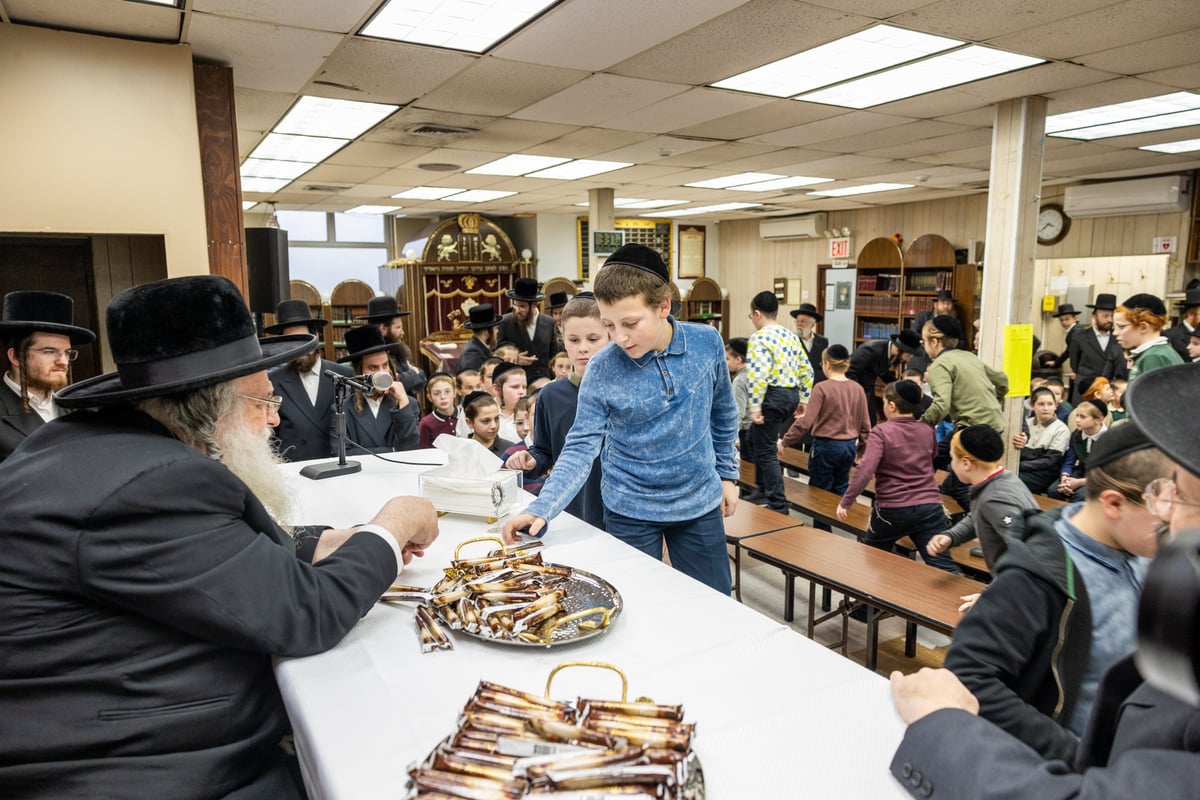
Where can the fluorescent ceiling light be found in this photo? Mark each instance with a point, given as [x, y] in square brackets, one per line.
[637, 202]
[867, 189]
[270, 168]
[471, 25]
[517, 164]
[248, 204]
[1119, 112]
[287, 147]
[478, 196]
[684, 212]
[860, 54]
[1128, 127]
[580, 168]
[324, 116]
[425, 193]
[172, 3]
[372, 209]
[740, 179]
[949, 69]
[1184, 146]
[263, 184]
[778, 183]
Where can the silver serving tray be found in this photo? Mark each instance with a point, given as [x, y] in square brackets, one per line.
[584, 591]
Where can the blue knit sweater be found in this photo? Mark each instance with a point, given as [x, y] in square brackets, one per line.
[664, 425]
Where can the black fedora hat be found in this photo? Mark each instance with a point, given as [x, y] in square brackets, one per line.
[482, 316]
[1104, 302]
[559, 299]
[1190, 300]
[907, 340]
[364, 341]
[1174, 433]
[944, 294]
[381, 309]
[178, 335]
[46, 312]
[295, 312]
[1065, 309]
[525, 290]
[808, 310]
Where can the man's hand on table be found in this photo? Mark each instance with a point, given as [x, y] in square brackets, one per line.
[927, 691]
[412, 522]
[517, 525]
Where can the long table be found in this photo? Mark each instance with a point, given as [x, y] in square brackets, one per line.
[777, 715]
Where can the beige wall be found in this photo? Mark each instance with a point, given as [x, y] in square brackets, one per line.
[748, 264]
[99, 136]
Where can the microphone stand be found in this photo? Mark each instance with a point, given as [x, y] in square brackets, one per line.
[333, 469]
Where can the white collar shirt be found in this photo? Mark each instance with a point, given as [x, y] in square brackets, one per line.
[47, 409]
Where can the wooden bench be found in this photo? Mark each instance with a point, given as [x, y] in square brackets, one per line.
[917, 593]
[798, 460]
[750, 520]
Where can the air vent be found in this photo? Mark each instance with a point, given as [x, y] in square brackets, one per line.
[324, 188]
[433, 129]
[769, 210]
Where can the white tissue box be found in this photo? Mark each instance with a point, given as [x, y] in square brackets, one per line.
[492, 496]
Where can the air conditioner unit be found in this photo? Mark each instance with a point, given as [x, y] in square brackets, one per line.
[1164, 194]
[808, 227]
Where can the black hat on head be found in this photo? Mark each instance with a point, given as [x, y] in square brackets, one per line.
[1149, 406]
[482, 315]
[982, 442]
[559, 299]
[295, 312]
[1147, 302]
[766, 302]
[640, 257]
[525, 290]
[1064, 310]
[28, 312]
[363, 342]
[1099, 405]
[1104, 302]
[808, 310]
[944, 294]
[503, 367]
[478, 394]
[1190, 300]
[837, 352]
[906, 340]
[179, 335]
[1121, 440]
[909, 391]
[381, 309]
[739, 345]
[948, 326]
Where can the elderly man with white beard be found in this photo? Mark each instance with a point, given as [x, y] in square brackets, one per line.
[149, 585]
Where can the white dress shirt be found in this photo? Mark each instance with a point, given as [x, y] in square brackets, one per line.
[46, 408]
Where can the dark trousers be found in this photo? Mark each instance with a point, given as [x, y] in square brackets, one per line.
[696, 546]
[955, 488]
[919, 523]
[829, 466]
[777, 409]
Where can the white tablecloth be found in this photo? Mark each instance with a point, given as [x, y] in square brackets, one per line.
[777, 715]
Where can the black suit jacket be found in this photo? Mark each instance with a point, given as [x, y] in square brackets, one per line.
[394, 428]
[303, 431]
[541, 345]
[1179, 336]
[15, 423]
[814, 351]
[139, 622]
[474, 353]
[1089, 362]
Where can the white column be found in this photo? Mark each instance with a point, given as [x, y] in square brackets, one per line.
[600, 218]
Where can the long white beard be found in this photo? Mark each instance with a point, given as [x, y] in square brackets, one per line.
[250, 455]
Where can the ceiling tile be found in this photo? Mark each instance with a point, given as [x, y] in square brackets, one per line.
[516, 135]
[912, 132]
[375, 154]
[387, 72]
[983, 20]
[247, 141]
[823, 130]
[774, 116]
[692, 107]
[1187, 77]
[343, 16]
[754, 34]
[395, 129]
[588, 142]
[1104, 28]
[653, 149]
[559, 38]
[1174, 50]
[718, 154]
[1100, 94]
[498, 87]
[599, 98]
[258, 109]
[909, 148]
[265, 56]
[136, 20]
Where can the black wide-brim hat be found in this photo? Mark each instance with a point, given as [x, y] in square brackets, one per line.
[559, 299]
[1064, 310]
[1174, 433]
[1190, 300]
[907, 340]
[1104, 302]
[808, 310]
[364, 341]
[381, 309]
[295, 312]
[45, 312]
[179, 335]
[525, 290]
[482, 315]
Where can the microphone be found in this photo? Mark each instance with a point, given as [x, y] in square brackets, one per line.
[372, 382]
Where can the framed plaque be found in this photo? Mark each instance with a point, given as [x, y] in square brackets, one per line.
[691, 251]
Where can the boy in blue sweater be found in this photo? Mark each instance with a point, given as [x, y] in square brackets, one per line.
[658, 408]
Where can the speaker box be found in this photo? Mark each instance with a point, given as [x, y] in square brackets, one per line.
[267, 268]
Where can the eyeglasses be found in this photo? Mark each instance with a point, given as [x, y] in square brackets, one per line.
[1160, 496]
[55, 354]
[269, 404]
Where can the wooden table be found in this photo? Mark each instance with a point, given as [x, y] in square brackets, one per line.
[915, 592]
[751, 520]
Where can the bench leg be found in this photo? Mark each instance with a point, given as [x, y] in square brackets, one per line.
[873, 616]
[812, 607]
[737, 571]
[910, 639]
[789, 598]
[826, 599]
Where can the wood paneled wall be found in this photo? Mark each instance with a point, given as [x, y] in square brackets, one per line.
[749, 264]
[119, 263]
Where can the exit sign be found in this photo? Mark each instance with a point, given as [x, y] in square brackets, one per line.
[839, 248]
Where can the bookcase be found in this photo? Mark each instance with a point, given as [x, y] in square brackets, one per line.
[347, 301]
[708, 304]
[877, 291]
